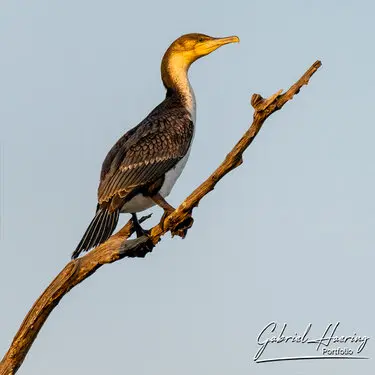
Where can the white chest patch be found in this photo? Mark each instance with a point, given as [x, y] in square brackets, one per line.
[190, 101]
[140, 202]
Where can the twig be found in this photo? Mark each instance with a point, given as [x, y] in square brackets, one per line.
[118, 246]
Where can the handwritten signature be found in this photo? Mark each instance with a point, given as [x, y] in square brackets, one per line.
[269, 335]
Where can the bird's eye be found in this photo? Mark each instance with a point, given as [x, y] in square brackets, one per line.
[201, 39]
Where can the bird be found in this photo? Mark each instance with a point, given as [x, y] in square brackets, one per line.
[142, 167]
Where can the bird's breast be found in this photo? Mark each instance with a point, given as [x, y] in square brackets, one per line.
[172, 175]
[137, 204]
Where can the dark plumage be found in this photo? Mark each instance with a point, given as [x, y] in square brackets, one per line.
[142, 167]
[100, 229]
[146, 152]
[137, 160]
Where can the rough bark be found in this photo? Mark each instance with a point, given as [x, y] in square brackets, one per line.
[119, 246]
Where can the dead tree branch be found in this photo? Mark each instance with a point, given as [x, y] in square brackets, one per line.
[118, 246]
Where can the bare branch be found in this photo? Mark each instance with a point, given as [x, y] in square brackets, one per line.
[118, 246]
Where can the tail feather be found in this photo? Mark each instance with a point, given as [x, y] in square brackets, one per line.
[100, 229]
[103, 229]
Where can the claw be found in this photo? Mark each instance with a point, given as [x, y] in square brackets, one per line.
[179, 229]
[182, 228]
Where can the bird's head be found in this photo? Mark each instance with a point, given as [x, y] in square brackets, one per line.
[190, 47]
[193, 46]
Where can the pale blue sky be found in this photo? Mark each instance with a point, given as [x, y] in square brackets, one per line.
[287, 237]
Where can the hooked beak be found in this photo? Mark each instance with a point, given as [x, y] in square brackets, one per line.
[214, 43]
[229, 39]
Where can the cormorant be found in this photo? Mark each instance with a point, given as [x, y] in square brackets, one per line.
[144, 164]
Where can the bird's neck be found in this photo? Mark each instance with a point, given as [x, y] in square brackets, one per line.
[174, 73]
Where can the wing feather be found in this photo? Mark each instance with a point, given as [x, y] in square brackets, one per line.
[147, 152]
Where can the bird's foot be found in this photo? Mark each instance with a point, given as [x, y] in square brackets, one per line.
[179, 229]
[142, 232]
[164, 217]
[138, 229]
[182, 228]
